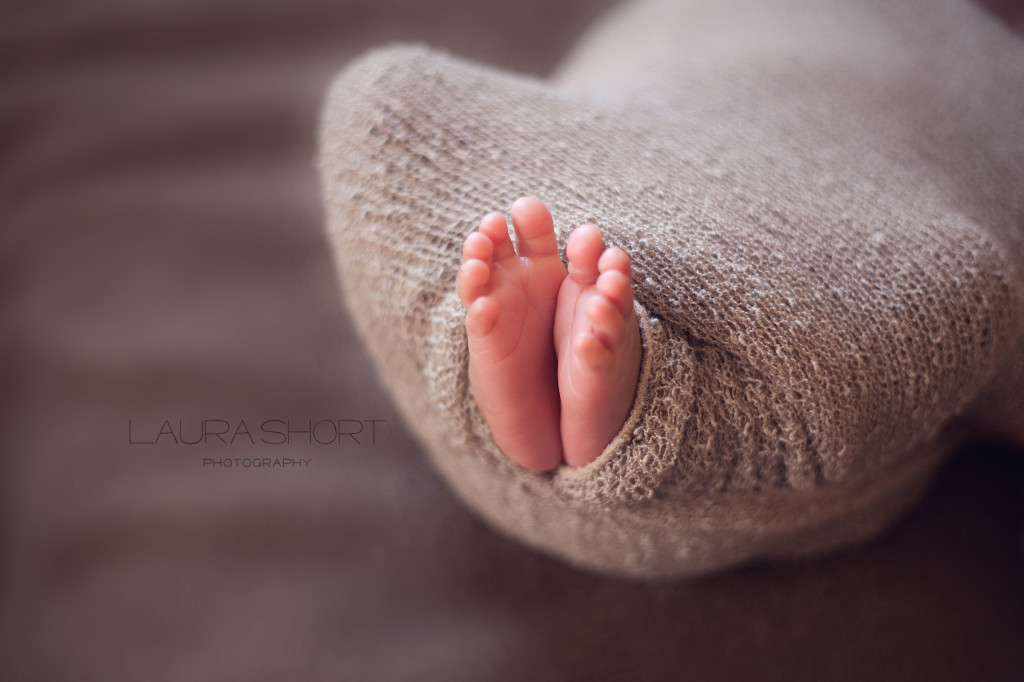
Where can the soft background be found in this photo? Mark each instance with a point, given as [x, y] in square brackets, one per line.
[162, 256]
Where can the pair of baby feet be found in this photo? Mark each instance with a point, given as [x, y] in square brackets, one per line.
[554, 354]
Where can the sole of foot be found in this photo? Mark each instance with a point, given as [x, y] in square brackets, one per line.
[598, 342]
[510, 293]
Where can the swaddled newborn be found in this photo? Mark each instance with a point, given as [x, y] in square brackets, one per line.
[796, 276]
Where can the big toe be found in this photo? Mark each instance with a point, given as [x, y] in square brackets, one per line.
[535, 231]
[584, 251]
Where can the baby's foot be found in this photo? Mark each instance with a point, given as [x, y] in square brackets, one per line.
[510, 303]
[598, 342]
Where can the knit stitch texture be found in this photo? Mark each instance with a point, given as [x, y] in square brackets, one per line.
[824, 204]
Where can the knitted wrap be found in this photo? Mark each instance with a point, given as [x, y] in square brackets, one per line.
[824, 205]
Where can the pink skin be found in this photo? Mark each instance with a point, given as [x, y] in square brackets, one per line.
[554, 358]
[598, 343]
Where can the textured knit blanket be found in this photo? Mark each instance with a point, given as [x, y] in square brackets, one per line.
[824, 204]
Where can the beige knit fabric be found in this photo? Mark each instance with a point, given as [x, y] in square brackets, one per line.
[824, 203]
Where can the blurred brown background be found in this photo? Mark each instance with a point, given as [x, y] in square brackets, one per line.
[162, 258]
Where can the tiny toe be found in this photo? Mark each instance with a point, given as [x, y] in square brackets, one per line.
[591, 351]
[615, 286]
[615, 258]
[480, 317]
[477, 246]
[535, 231]
[605, 319]
[472, 277]
[584, 249]
[494, 227]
